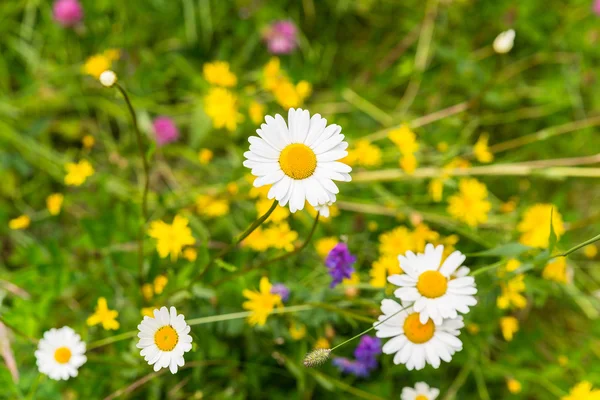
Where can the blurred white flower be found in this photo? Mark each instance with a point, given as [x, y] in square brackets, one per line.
[504, 41]
[422, 391]
[108, 78]
[60, 353]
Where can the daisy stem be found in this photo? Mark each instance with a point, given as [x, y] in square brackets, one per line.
[573, 249]
[488, 268]
[140, 144]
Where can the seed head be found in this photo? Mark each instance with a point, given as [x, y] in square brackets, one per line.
[316, 357]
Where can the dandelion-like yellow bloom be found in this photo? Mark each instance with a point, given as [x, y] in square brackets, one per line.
[514, 386]
[481, 150]
[508, 206]
[88, 141]
[304, 89]
[470, 205]
[436, 189]
[583, 391]
[272, 73]
[281, 237]
[286, 95]
[257, 240]
[147, 291]
[21, 222]
[190, 254]
[159, 283]
[77, 173]
[405, 139]
[590, 251]
[321, 343]
[221, 106]
[104, 316]
[535, 225]
[204, 156]
[278, 215]
[363, 154]
[395, 242]
[261, 303]
[512, 294]
[97, 64]
[148, 311]
[382, 268]
[54, 203]
[556, 270]
[408, 163]
[171, 238]
[218, 73]
[511, 265]
[297, 331]
[233, 188]
[211, 206]
[509, 326]
[325, 245]
[422, 235]
[256, 111]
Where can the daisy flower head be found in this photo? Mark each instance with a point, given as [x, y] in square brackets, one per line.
[164, 339]
[60, 353]
[416, 344]
[421, 391]
[299, 159]
[430, 285]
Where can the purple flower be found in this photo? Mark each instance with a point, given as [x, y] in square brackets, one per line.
[281, 37]
[367, 351]
[339, 261]
[165, 130]
[67, 13]
[354, 367]
[281, 290]
[596, 7]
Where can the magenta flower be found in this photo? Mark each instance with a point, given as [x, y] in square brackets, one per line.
[596, 7]
[281, 37]
[165, 130]
[67, 13]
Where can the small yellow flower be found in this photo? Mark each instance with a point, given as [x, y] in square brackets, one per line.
[159, 283]
[21, 222]
[190, 254]
[272, 73]
[395, 242]
[211, 206]
[256, 111]
[286, 95]
[88, 141]
[470, 205]
[535, 225]
[509, 206]
[408, 163]
[482, 150]
[321, 343]
[514, 386]
[372, 226]
[278, 215]
[54, 203]
[218, 73]
[325, 245]
[363, 154]
[78, 173]
[257, 240]
[281, 237]
[422, 235]
[221, 106]
[590, 251]
[583, 391]
[148, 311]
[204, 156]
[512, 294]
[171, 238]
[511, 265]
[104, 316]
[147, 291]
[304, 89]
[405, 139]
[261, 303]
[436, 189]
[442, 147]
[354, 280]
[297, 331]
[383, 267]
[233, 188]
[473, 328]
[556, 270]
[97, 64]
[509, 326]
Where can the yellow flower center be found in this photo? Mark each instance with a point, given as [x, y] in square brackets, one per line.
[62, 355]
[298, 161]
[415, 331]
[421, 397]
[432, 284]
[166, 338]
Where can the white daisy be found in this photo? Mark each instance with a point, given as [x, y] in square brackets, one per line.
[414, 343]
[299, 159]
[164, 339]
[323, 209]
[436, 293]
[422, 391]
[60, 353]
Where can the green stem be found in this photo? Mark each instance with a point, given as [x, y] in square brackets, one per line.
[488, 268]
[573, 249]
[140, 144]
[33, 389]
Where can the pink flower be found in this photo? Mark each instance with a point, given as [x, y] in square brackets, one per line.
[165, 130]
[67, 13]
[596, 7]
[281, 37]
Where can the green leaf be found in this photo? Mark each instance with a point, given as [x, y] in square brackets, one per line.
[553, 238]
[225, 265]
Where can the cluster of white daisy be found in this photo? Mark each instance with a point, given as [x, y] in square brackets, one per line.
[424, 327]
[163, 340]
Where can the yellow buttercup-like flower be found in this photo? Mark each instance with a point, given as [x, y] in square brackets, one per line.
[535, 225]
[171, 238]
[583, 391]
[286, 93]
[190, 254]
[408, 163]
[261, 303]
[281, 237]
[104, 316]
[470, 205]
[256, 111]
[395, 242]
[364, 154]
[19, 223]
[204, 156]
[512, 294]
[514, 386]
[257, 240]
[77, 173]
[278, 215]
[221, 106]
[88, 141]
[511, 265]
[54, 203]
[590, 251]
[509, 326]
[422, 235]
[436, 189]
[321, 343]
[297, 331]
[382, 268]
[405, 139]
[147, 291]
[325, 245]
[211, 206]
[159, 283]
[218, 73]
[481, 150]
[97, 64]
[556, 270]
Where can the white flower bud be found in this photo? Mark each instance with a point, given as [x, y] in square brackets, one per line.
[108, 78]
[504, 41]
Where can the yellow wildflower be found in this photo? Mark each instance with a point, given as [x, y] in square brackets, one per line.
[563, 360]
[148, 311]
[582, 391]
[473, 328]
[436, 189]
[372, 226]
[354, 280]
[304, 89]
[218, 73]
[590, 251]
[422, 235]
[78, 173]
[159, 283]
[514, 386]
[383, 267]
[405, 139]
[278, 215]
[535, 225]
[171, 238]
[281, 237]
[395, 242]
[54, 203]
[511, 265]
[556, 270]
[147, 291]
[261, 303]
[21, 222]
[232, 188]
[104, 316]
[257, 240]
[509, 326]
[297, 331]
[272, 73]
[211, 206]
[508, 206]
[321, 343]
[512, 294]
[88, 141]
[482, 151]
[222, 108]
[256, 111]
[325, 245]
[97, 64]
[204, 156]
[190, 254]
[286, 95]
[408, 163]
[364, 154]
[470, 205]
[442, 147]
